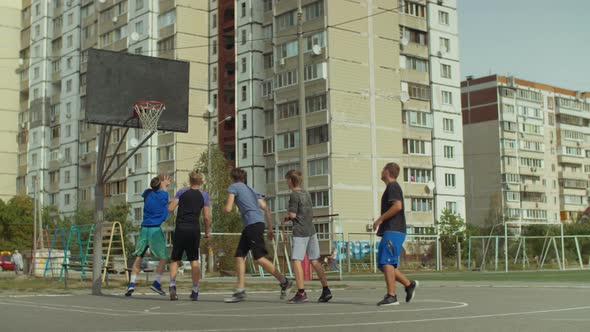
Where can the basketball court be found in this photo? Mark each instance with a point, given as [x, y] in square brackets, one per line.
[449, 306]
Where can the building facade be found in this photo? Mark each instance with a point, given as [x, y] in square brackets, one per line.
[380, 82]
[57, 148]
[9, 95]
[527, 149]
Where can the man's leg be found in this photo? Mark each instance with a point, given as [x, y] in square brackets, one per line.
[401, 278]
[319, 270]
[173, 274]
[270, 268]
[240, 272]
[134, 271]
[389, 273]
[196, 274]
[298, 271]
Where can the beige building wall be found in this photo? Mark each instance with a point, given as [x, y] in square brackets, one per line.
[9, 95]
[364, 105]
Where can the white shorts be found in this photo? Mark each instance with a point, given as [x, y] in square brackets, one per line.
[303, 245]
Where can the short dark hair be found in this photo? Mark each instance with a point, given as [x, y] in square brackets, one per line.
[392, 169]
[155, 183]
[238, 175]
[294, 176]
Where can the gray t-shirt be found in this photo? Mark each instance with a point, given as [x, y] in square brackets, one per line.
[247, 202]
[300, 204]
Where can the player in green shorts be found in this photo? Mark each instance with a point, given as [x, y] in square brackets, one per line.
[155, 212]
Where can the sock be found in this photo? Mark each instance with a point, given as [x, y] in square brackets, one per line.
[325, 288]
[158, 278]
[172, 282]
[132, 279]
[196, 288]
[301, 290]
[239, 290]
[283, 280]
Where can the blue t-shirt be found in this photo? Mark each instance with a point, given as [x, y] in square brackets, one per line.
[247, 202]
[155, 207]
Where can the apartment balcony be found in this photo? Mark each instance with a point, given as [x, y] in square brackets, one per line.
[25, 39]
[534, 171]
[420, 217]
[55, 99]
[87, 181]
[88, 158]
[573, 175]
[569, 159]
[413, 76]
[526, 205]
[414, 189]
[415, 49]
[24, 85]
[22, 169]
[413, 22]
[166, 5]
[56, 76]
[534, 188]
[53, 187]
[54, 165]
[88, 20]
[167, 31]
[166, 166]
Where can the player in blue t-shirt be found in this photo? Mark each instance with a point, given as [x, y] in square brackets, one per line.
[251, 205]
[155, 212]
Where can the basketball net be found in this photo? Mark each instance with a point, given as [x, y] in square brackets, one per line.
[149, 113]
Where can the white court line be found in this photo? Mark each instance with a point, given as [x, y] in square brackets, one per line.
[67, 306]
[60, 309]
[389, 322]
[35, 295]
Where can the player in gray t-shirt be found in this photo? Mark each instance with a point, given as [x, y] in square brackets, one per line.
[305, 239]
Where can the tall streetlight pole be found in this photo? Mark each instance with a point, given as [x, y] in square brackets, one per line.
[301, 86]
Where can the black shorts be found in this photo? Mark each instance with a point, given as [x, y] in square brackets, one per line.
[252, 239]
[186, 240]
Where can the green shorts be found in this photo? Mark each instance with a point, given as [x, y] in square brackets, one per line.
[152, 238]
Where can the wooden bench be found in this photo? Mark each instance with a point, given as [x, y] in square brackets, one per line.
[146, 271]
[83, 266]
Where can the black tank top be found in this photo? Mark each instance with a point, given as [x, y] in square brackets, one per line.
[190, 204]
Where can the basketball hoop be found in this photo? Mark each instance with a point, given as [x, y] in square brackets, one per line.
[148, 112]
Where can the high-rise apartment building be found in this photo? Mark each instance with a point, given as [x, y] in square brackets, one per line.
[9, 99]
[57, 149]
[381, 85]
[527, 149]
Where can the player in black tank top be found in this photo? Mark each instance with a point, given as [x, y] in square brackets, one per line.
[191, 203]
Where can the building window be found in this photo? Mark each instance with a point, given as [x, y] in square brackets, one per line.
[268, 147]
[268, 61]
[315, 103]
[68, 130]
[416, 64]
[244, 93]
[418, 91]
[269, 117]
[452, 207]
[414, 36]
[244, 150]
[445, 45]
[288, 140]
[443, 17]
[507, 108]
[449, 152]
[243, 33]
[421, 204]
[214, 21]
[139, 27]
[448, 125]
[214, 74]
[36, 73]
[286, 20]
[266, 88]
[413, 146]
[166, 45]
[243, 9]
[320, 199]
[214, 47]
[69, 86]
[413, 8]
[167, 19]
[269, 175]
[417, 119]
[243, 65]
[67, 176]
[417, 175]
[138, 50]
[70, 19]
[138, 4]
[450, 180]
[244, 121]
[317, 135]
[445, 71]
[314, 10]
[138, 213]
[318, 167]
[67, 199]
[447, 97]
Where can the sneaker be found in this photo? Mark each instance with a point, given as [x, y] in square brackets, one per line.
[388, 300]
[236, 297]
[130, 289]
[194, 296]
[285, 288]
[299, 298]
[411, 291]
[156, 287]
[173, 296]
[326, 296]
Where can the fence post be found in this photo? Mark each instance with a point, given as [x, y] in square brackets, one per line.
[374, 255]
[496, 255]
[579, 254]
[348, 251]
[469, 255]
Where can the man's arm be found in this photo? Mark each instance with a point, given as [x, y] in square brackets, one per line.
[267, 216]
[207, 219]
[395, 207]
[173, 205]
[292, 208]
[229, 203]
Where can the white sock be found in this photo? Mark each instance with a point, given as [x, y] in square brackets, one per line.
[172, 282]
[133, 277]
[158, 278]
[196, 288]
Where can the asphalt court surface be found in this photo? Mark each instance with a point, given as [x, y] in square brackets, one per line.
[467, 307]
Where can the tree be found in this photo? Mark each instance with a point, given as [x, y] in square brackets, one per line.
[16, 223]
[451, 229]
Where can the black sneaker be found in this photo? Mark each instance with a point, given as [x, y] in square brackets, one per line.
[299, 298]
[236, 297]
[285, 288]
[173, 296]
[326, 296]
[411, 291]
[194, 296]
[388, 300]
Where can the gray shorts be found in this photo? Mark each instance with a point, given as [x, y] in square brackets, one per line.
[303, 245]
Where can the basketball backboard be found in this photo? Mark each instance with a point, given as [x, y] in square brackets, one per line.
[116, 80]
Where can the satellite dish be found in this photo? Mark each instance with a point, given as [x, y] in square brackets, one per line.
[430, 185]
[404, 41]
[134, 36]
[210, 108]
[404, 97]
[316, 49]
[134, 142]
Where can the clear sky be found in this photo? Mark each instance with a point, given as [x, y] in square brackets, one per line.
[546, 41]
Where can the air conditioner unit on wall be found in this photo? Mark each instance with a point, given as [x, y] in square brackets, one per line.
[369, 227]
